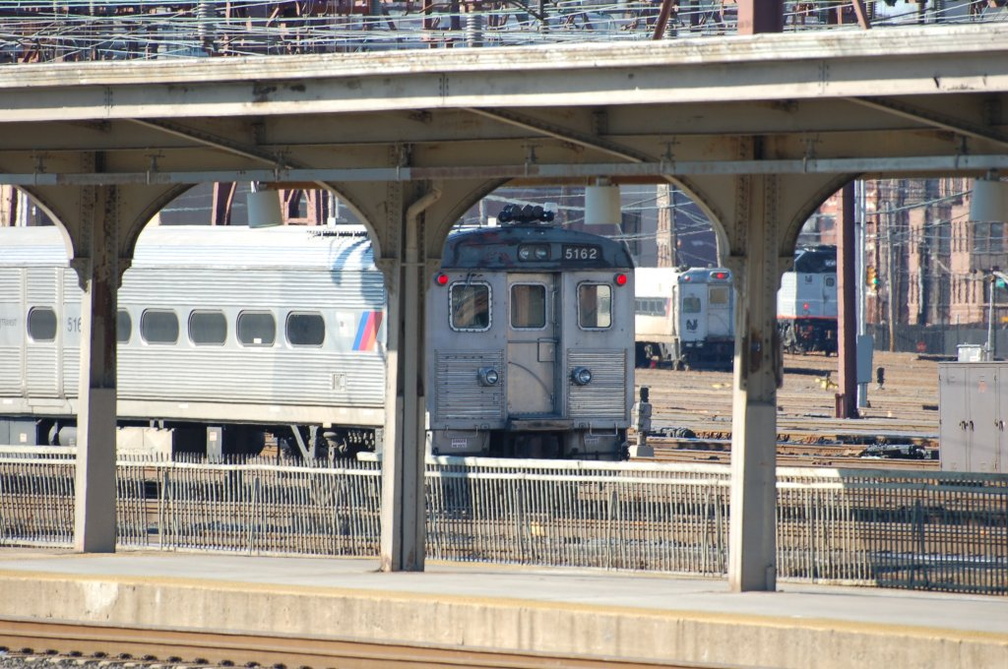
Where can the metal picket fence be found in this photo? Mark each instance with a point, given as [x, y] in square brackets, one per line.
[920, 530]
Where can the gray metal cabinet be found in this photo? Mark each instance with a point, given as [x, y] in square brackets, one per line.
[971, 398]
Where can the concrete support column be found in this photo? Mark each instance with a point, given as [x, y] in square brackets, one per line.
[403, 531]
[99, 275]
[754, 259]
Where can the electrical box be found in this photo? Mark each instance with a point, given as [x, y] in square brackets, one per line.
[972, 398]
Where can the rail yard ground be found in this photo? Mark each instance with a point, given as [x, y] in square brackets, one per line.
[903, 412]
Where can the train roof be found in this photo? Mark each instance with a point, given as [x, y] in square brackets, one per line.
[816, 259]
[345, 247]
[32, 246]
[533, 247]
[652, 281]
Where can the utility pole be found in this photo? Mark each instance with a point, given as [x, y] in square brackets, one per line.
[863, 339]
[846, 406]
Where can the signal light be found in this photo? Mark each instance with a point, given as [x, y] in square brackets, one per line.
[871, 277]
[441, 279]
[620, 279]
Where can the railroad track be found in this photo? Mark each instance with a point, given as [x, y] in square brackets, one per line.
[149, 647]
[817, 451]
[902, 412]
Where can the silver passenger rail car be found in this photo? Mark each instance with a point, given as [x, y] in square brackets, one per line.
[224, 336]
[685, 317]
[530, 333]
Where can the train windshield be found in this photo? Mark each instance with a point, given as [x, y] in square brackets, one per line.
[528, 306]
[720, 294]
[594, 306]
[470, 306]
[691, 305]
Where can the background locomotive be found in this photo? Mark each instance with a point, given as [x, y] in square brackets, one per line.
[685, 317]
[227, 335]
[807, 302]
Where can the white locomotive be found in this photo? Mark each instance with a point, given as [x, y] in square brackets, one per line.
[807, 302]
[226, 335]
[685, 318]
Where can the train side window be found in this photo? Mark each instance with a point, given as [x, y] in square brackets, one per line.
[124, 326]
[305, 329]
[719, 294]
[159, 326]
[207, 327]
[594, 306]
[256, 328]
[691, 305]
[528, 306]
[650, 306]
[42, 324]
[470, 306]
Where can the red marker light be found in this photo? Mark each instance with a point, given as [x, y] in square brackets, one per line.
[621, 279]
[805, 306]
[441, 279]
[720, 275]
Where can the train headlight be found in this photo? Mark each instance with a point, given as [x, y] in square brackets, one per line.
[488, 376]
[534, 252]
[581, 376]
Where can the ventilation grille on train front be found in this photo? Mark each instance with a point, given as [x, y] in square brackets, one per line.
[605, 396]
[459, 394]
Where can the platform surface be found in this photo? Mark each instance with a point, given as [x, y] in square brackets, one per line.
[566, 612]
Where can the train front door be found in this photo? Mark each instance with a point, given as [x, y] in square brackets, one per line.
[532, 345]
[693, 298]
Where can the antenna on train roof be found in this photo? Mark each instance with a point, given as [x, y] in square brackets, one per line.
[516, 213]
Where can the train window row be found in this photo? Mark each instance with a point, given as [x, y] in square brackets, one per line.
[651, 306]
[206, 327]
[470, 306]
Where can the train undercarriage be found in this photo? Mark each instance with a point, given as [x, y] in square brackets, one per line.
[808, 336]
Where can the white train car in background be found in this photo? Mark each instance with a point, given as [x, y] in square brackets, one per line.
[807, 305]
[685, 318]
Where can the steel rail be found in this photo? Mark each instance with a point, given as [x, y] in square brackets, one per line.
[205, 648]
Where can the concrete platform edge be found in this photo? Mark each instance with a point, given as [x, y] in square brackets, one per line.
[497, 623]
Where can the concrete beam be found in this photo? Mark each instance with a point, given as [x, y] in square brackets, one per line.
[938, 165]
[787, 66]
